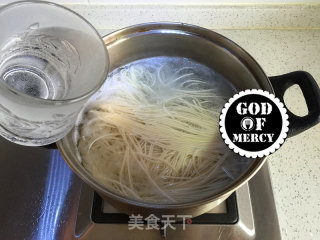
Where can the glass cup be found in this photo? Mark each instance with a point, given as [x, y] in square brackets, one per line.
[51, 61]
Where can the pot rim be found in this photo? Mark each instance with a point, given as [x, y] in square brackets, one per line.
[175, 27]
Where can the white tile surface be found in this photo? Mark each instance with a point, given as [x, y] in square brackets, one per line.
[219, 17]
[249, 16]
[199, 2]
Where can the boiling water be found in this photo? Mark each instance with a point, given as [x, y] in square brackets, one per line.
[171, 68]
[40, 62]
[151, 132]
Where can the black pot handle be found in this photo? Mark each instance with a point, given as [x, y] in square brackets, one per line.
[311, 93]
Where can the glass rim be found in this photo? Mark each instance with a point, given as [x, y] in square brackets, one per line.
[68, 100]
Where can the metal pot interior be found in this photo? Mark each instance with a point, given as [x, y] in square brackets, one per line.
[175, 39]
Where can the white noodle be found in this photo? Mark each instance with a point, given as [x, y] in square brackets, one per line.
[154, 138]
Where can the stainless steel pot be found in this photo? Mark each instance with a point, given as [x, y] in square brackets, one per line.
[222, 55]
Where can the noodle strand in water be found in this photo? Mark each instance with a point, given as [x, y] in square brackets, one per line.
[152, 133]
